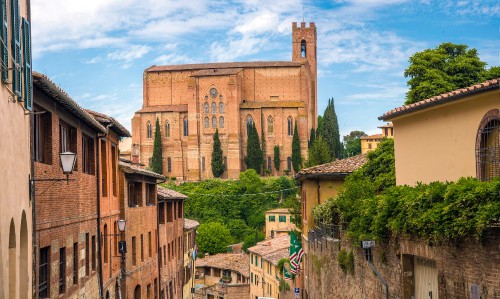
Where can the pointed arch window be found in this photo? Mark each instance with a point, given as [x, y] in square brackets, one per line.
[167, 129]
[214, 122]
[270, 125]
[214, 108]
[289, 164]
[303, 48]
[149, 130]
[205, 122]
[169, 164]
[269, 164]
[221, 107]
[488, 146]
[249, 122]
[206, 108]
[186, 128]
[290, 126]
[221, 122]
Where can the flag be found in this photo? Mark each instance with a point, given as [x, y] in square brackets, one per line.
[296, 253]
[287, 275]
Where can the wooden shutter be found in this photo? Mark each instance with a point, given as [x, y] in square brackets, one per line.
[28, 86]
[5, 40]
[16, 47]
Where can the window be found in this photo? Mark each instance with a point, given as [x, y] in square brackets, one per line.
[155, 288]
[150, 194]
[16, 47]
[134, 252]
[303, 49]
[282, 218]
[149, 130]
[134, 194]
[93, 253]
[186, 129]
[148, 291]
[169, 164]
[179, 210]
[115, 243]
[290, 126]
[269, 164]
[88, 155]
[221, 121]
[142, 248]
[214, 122]
[369, 146]
[75, 263]
[114, 159]
[67, 135]
[161, 212]
[4, 36]
[150, 249]
[202, 163]
[289, 163]
[225, 163]
[105, 245]
[221, 107]
[270, 125]
[42, 137]
[206, 122]
[44, 273]
[169, 211]
[249, 122]
[214, 108]
[272, 218]
[87, 254]
[104, 169]
[488, 146]
[62, 270]
[206, 108]
[167, 129]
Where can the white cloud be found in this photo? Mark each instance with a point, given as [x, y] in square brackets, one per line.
[130, 53]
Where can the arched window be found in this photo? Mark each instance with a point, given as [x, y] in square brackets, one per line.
[214, 108]
[105, 243]
[269, 164]
[488, 146]
[289, 164]
[221, 107]
[206, 108]
[214, 122]
[290, 126]
[249, 122]
[169, 164]
[186, 128]
[221, 122]
[205, 122]
[149, 130]
[167, 129]
[303, 48]
[270, 125]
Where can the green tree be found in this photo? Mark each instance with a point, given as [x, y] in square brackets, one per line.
[277, 157]
[312, 136]
[213, 237]
[352, 143]
[318, 153]
[445, 68]
[330, 131]
[252, 239]
[263, 149]
[493, 73]
[238, 228]
[254, 151]
[217, 160]
[320, 124]
[296, 155]
[157, 158]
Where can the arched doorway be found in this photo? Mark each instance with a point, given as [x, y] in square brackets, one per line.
[24, 284]
[137, 292]
[12, 259]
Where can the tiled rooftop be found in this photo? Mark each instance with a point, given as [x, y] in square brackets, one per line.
[272, 250]
[442, 99]
[280, 210]
[338, 168]
[165, 193]
[105, 119]
[164, 108]
[376, 136]
[128, 167]
[190, 224]
[223, 65]
[227, 261]
[216, 72]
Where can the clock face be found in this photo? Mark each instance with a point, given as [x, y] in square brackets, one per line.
[213, 92]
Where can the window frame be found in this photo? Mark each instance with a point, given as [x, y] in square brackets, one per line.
[488, 146]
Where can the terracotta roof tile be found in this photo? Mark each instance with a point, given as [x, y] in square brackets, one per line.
[280, 210]
[272, 250]
[164, 108]
[441, 99]
[376, 136]
[131, 168]
[165, 193]
[272, 104]
[105, 119]
[216, 72]
[338, 168]
[190, 224]
[227, 261]
[223, 65]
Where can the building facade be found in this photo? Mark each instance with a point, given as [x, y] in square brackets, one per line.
[369, 143]
[192, 101]
[278, 223]
[190, 227]
[16, 226]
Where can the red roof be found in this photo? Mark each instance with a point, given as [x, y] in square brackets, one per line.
[338, 168]
[223, 65]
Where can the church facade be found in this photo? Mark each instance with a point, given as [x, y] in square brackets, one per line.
[192, 101]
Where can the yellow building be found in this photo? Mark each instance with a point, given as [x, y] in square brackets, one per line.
[190, 227]
[369, 143]
[448, 136]
[264, 271]
[278, 223]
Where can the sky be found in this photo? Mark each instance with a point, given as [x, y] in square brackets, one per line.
[97, 50]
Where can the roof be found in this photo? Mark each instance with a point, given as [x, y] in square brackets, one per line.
[128, 167]
[272, 250]
[190, 224]
[272, 104]
[376, 136]
[280, 210]
[107, 120]
[216, 72]
[165, 193]
[164, 108]
[442, 99]
[42, 82]
[226, 261]
[338, 168]
[388, 125]
[223, 65]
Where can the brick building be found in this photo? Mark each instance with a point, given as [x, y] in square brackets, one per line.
[66, 213]
[171, 237]
[191, 101]
[190, 227]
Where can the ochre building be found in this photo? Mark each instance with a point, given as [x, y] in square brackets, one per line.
[192, 101]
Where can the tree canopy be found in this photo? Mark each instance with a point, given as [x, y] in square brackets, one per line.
[445, 68]
[213, 237]
[352, 143]
[277, 158]
[254, 158]
[157, 158]
[318, 153]
[296, 155]
[329, 130]
[217, 159]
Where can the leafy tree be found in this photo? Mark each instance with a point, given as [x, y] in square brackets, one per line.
[296, 155]
[252, 239]
[238, 228]
[312, 136]
[213, 237]
[352, 143]
[277, 157]
[320, 124]
[254, 152]
[264, 160]
[493, 73]
[330, 131]
[445, 68]
[217, 160]
[157, 158]
[318, 153]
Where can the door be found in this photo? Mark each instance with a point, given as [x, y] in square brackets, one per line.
[426, 279]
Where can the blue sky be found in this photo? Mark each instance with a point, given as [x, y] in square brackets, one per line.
[97, 50]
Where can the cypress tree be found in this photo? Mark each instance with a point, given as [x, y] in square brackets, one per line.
[277, 157]
[329, 130]
[296, 156]
[254, 152]
[157, 158]
[318, 153]
[264, 160]
[311, 138]
[217, 162]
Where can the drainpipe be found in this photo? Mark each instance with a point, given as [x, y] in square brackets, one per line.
[98, 187]
[32, 195]
[158, 247]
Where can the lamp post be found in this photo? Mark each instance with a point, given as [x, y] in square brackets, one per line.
[122, 248]
[67, 160]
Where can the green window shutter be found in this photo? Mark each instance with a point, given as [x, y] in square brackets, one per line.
[16, 47]
[5, 38]
[282, 218]
[28, 86]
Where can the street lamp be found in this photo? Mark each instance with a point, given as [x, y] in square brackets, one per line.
[121, 225]
[67, 160]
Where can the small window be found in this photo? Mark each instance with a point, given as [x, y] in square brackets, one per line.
[290, 126]
[206, 122]
[206, 108]
[135, 194]
[270, 125]
[75, 263]
[169, 164]
[62, 270]
[179, 212]
[214, 122]
[161, 212]
[225, 163]
[269, 164]
[282, 218]
[93, 244]
[44, 273]
[170, 211]
[272, 218]
[114, 168]
[105, 243]
[202, 163]
[142, 248]
[214, 108]
[42, 136]
[150, 194]
[221, 122]
[186, 128]
[369, 146]
[289, 163]
[303, 49]
[134, 252]
[167, 129]
[87, 254]
[221, 107]
[149, 130]
[88, 155]
[249, 122]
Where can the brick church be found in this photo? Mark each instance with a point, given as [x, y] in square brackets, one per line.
[191, 101]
